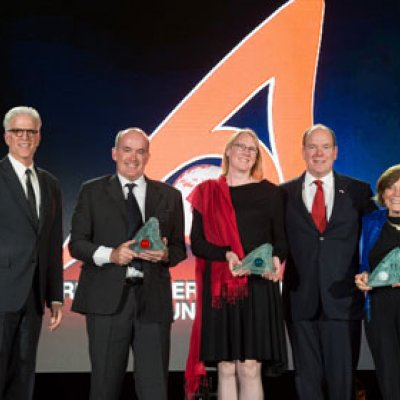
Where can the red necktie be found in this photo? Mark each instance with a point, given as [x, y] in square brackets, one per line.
[318, 211]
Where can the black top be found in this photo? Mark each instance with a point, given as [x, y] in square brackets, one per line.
[387, 241]
[260, 219]
[260, 206]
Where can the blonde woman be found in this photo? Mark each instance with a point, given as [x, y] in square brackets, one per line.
[239, 323]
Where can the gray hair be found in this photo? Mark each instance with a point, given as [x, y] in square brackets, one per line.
[21, 110]
[131, 130]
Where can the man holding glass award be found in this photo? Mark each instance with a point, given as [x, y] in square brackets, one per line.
[125, 287]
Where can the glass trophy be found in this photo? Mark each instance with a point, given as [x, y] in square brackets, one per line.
[387, 272]
[258, 261]
[148, 237]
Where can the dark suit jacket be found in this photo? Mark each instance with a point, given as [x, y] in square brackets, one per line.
[24, 247]
[100, 218]
[320, 269]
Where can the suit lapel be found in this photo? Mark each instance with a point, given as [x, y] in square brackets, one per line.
[44, 197]
[114, 190]
[340, 191]
[152, 199]
[302, 209]
[15, 187]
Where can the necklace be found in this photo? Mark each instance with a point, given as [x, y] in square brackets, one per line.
[395, 226]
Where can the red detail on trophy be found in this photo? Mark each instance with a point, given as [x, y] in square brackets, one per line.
[145, 243]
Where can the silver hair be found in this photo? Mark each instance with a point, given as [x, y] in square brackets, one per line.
[21, 110]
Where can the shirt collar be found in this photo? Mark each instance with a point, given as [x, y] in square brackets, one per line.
[327, 180]
[20, 168]
[140, 182]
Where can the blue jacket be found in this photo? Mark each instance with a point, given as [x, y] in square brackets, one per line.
[372, 225]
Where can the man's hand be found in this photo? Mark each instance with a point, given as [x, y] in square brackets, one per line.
[155, 255]
[55, 316]
[123, 255]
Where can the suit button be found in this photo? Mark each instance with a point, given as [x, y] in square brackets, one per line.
[321, 238]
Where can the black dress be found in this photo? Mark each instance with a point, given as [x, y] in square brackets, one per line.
[252, 328]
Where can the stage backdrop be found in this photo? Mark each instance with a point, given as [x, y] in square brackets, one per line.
[189, 75]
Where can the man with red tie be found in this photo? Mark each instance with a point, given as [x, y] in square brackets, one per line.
[322, 305]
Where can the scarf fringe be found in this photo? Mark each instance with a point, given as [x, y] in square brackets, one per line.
[196, 384]
[230, 295]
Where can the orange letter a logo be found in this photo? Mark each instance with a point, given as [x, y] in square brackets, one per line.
[282, 52]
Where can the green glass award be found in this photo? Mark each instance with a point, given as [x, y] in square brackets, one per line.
[387, 272]
[148, 237]
[258, 261]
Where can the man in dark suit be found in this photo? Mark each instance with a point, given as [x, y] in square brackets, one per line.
[126, 296]
[323, 306]
[30, 253]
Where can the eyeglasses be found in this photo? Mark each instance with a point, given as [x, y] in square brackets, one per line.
[242, 147]
[20, 132]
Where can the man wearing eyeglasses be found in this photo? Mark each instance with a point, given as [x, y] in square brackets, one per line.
[30, 253]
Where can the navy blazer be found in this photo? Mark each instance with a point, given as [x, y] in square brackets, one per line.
[100, 219]
[321, 267]
[25, 247]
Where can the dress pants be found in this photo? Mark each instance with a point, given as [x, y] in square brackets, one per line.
[383, 335]
[111, 337]
[19, 337]
[325, 354]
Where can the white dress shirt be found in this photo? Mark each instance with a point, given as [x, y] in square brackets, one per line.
[328, 186]
[20, 170]
[102, 255]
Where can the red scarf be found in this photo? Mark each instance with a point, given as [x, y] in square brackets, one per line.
[213, 201]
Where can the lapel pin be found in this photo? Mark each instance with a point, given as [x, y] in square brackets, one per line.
[341, 191]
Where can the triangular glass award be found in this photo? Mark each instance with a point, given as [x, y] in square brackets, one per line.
[387, 272]
[258, 261]
[148, 237]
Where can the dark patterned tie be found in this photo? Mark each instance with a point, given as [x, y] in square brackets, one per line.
[31, 196]
[318, 210]
[134, 215]
[134, 220]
